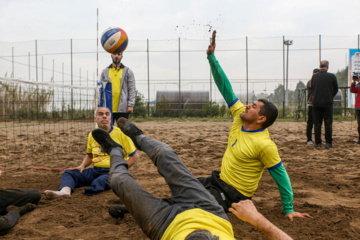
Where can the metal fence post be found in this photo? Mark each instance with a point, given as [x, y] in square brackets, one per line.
[319, 48]
[37, 79]
[179, 80]
[13, 65]
[72, 96]
[283, 76]
[247, 72]
[148, 75]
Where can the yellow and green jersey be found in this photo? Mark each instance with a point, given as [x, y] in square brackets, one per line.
[249, 152]
[196, 219]
[115, 79]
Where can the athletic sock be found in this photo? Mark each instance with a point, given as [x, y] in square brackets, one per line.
[65, 191]
[56, 194]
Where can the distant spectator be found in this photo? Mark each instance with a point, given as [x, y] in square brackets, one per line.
[310, 121]
[324, 87]
[355, 88]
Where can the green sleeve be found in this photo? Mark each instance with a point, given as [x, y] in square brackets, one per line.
[221, 80]
[283, 182]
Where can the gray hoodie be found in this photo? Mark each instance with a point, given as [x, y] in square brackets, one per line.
[127, 88]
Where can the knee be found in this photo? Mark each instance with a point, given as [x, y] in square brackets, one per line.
[115, 179]
[164, 151]
[35, 196]
[68, 172]
[71, 173]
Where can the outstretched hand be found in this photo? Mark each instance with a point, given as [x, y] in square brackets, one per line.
[245, 210]
[293, 215]
[211, 48]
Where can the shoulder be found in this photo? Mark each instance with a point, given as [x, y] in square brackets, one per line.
[117, 132]
[265, 142]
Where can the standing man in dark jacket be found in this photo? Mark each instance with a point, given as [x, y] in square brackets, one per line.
[310, 121]
[324, 87]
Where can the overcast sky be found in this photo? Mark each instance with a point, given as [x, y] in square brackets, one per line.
[23, 20]
[263, 21]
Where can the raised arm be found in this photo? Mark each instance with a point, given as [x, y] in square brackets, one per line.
[220, 78]
[246, 211]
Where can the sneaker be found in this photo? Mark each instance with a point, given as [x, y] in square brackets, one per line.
[104, 139]
[117, 211]
[317, 145]
[310, 143]
[129, 129]
[49, 194]
[328, 145]
[21, 210]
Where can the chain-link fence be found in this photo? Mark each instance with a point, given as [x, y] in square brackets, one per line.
[48, 88]
[256, 66]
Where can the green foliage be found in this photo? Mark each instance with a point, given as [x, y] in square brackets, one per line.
[223, 110]
[31, 102]
[342, 77]
[278, 95]
[140, 108]
[162, 108]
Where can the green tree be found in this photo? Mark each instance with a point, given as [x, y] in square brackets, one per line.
[300, 85]
[342, 77]
[139, 107]
[223, 109]
[162, 108]
[278, 95]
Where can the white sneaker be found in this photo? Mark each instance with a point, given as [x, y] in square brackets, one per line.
[310, 143]
[49, 194]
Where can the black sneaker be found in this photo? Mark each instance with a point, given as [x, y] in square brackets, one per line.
[21, 210]
[104, 139]
[328, 145]
[318, 145]
[117, 211]
[129, 129]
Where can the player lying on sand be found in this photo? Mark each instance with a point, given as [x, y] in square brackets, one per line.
[191, 212]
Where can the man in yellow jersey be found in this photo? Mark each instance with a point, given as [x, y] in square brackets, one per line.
[191, 212]
[98, 176]
[249, 151]
[123, 87]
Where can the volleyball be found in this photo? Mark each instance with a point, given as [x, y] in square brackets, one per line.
[114, 40]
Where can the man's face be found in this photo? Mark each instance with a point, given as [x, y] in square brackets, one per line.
[103, 118]
[116, 57]
[251, 113]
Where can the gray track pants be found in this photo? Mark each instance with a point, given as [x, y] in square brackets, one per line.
[154, 214]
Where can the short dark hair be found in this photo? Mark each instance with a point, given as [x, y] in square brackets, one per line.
[201, 234]
[316, 70]
[324, 64]
[269, 111]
